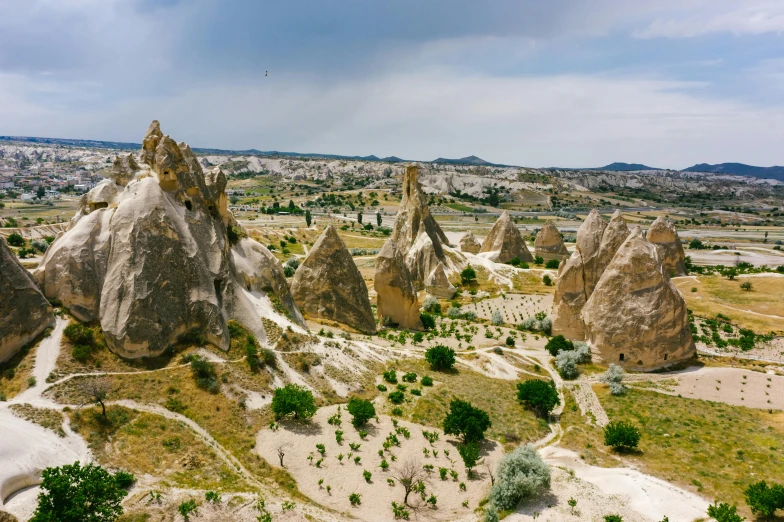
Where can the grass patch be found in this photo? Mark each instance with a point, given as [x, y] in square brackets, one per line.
[15, 372]
[512, 423]
[716, 294]
[459, 207]
[46, 417]
[723, 448]
[530, 283]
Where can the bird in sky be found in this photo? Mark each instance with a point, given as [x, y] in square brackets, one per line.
[266, 73]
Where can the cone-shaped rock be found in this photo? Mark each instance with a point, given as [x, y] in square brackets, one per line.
[149, 256]
[569, 299]
[549, 243]
[24, 311]
[589, 240]
[438, 284]
[328, 285]
[663, 234]
[397, 297]
[613, 237]
[414, 216]
[469, 243]
[505, 242]
[259, 271]
[635, 316]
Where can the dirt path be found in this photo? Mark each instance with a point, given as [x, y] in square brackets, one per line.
[589, 403]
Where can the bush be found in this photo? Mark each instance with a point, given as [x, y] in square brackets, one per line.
[390, 376]
[547, 280]
[552, 263]
[583, 352]
[540, 396]
[187, 508]
[396, 397]
[268, 357]
[205, 374]
[428, 321]
[39, 245]
[613, 518]
[81, 353]
[289, 271]
[454, 312]
[431, 304]
[427, 380]
[621, 435]
[763, 499]
[724, 513]
[558, 343]
[538, 260]
[497, 318]
[252, 353]
[566, 363]
[410, 377]
[355, 499]
[440, 357]
[64, 490]
[295, 399]
[521, 475]
[124, 479]
[361, 411]
[469, 452]
[466, 421]
[79, 334]
[468, 275]
[515, 261]
[510, 342]
[614, 377]
[15, 240]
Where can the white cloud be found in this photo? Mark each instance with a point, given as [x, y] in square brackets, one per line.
[748, 17]
[566, 120]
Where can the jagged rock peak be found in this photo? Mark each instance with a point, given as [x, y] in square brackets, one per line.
[613, 237]
[24, 311]
[396, 293]
[636, 317]
[469, 243]
[663, 234]
[328, 285]
[414, 216]
[504, 242]
[549, 242]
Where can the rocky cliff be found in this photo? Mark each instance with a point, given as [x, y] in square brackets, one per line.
[504, 242]
[663, 234]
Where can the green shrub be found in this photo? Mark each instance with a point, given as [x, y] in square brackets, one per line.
[361, 410]
[205, 374]
[552, 263]
[396, 397]
[540, 396]
[763, 499]
[79, 334]
[187, 508]
[621, 435]
[15, 240]
[427, 380]
[613, 518]
[468, 275]
[381, 387]
[521, 475]
[390, 376]
[295, 399]
[124, 479]
[81, 353]
[355, 499]
[558, 343]
[722, 512]
[440, 357]
[213, 497]
[547, 280]
[466, 421]
[428, 321]
[410, 377]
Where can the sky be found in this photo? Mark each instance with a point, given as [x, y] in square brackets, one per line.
[539, 83]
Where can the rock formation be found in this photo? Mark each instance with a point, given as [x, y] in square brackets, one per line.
[636, 317]
[328, 285]
[663, 234]
[417, 235]
[397, 297]
[438, 284]
[149, 256]
[469, 243]
[504, 242]
[549, 243]
[24, 311]
[597, 243]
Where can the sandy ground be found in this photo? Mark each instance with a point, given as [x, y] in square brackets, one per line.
[731, 386]
[27, 448]
[728, 257]
[513, 307]
[606, 491]
[346, 477]
[772, 351]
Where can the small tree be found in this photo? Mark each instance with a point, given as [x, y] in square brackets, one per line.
[361, 410]
[558, 343]
[540, 396]
[308, 217]
[469, 452]
[428, 321]
[466, 421]
[408, 475]
[614, 378]
[73, 493]
[359, 217]
[621, 435]
[522, 475]
[746, 286]
[552, 264]
[724, 512]
[295, 399]
[96, 391]
[440, 357]
[468, 275]
[16, 240]
[281, 450]
[763, 499]
[378, 219]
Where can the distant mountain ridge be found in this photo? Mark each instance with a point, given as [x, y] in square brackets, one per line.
[739, 169]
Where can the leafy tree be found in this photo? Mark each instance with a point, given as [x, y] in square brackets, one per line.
[558, 343]
[621, 435]
[308, 217]
[428, 321]
[378, 219]
[552, 263]
[468, 275]
[359, 217]
[73, 493]
[252, 353]
[540, 396]
[40, 192]
[440, 357]
[361, 410]
[295, 399]
[522, 475]
[538, 260]
[724, 512]
[469, 452]
[731, 273]
[547, 280]
[466, 421]
[763, 499]
[16, 240]
[746, 285]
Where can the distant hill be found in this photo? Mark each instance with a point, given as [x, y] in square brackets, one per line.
[740, 169]
[627, 166]
[468, 160]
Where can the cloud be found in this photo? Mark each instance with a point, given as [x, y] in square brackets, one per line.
[750, 17]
